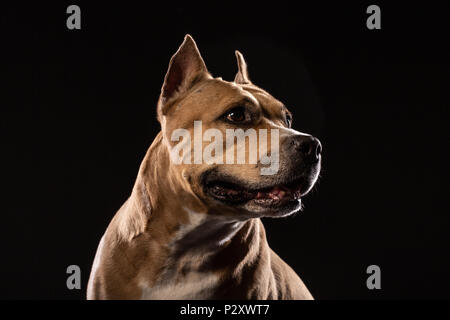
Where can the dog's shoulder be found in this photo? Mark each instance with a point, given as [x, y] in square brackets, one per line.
[118, 255]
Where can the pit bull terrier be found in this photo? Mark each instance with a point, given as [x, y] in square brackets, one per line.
[193, 230]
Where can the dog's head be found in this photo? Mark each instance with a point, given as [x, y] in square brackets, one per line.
[231, 143]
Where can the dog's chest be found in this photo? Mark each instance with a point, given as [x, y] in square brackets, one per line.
[193, 285]
[186, 275]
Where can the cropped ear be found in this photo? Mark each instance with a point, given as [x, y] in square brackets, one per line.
[242, 74]
[185, 68]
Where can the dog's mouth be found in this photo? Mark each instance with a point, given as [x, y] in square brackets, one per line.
[236, 193]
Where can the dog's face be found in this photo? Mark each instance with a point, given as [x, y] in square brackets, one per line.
[209, 110]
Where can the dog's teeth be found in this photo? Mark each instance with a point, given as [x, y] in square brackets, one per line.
[274, 194]
[275, 191]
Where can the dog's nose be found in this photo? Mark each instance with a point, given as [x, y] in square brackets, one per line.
[309, 147]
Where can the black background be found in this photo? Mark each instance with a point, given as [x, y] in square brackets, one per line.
[78, 114]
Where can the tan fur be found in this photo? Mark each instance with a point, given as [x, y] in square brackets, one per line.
[169, 240]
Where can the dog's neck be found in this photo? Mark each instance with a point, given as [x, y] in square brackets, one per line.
[182, 220]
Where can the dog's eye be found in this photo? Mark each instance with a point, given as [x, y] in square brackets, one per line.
[238, 115]
[288, 120]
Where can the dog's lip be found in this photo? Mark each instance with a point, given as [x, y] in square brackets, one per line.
[235, 192]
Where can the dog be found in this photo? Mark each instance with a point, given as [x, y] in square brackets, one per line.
[193, 230]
